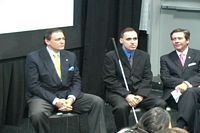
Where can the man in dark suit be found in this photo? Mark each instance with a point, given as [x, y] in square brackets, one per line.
[181, 77]
[56, 85]
[137, 69]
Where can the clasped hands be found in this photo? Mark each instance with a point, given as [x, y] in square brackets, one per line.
[64, 105]
[133, 100]
[182, 87]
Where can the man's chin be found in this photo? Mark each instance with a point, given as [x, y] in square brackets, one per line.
[133, 49]
[61, 48]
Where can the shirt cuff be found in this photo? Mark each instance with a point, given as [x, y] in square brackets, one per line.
[55, 101]
[72, 96]
[188, 84]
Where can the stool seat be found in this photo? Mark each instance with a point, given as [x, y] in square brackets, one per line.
[64, 123]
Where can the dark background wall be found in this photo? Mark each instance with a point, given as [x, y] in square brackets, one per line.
[95, 23]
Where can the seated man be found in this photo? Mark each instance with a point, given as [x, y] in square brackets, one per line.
[54, 83]
[180, 74]
[137, 69]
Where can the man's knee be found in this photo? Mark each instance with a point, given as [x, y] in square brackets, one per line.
[161, 103]
[98, 101]
[36, 117]
[122, 108]
[193, 90]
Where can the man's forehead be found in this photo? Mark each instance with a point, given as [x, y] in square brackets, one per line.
[57, 34]
[130, 34]
[180, 34]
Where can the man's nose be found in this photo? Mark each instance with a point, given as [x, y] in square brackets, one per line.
[132, 40]
[62, 41]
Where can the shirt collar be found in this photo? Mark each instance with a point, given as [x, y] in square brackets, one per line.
[52, 53]
[184, 52]
[129, 54]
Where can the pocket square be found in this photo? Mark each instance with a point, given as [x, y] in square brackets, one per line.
[192, 64]
[71, 68]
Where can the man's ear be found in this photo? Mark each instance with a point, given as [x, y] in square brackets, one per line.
[188, 41]
[46, 41]
[121, 40]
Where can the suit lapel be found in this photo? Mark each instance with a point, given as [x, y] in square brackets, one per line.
[135, 59]
[48, 63]
[64, 66]
[124, 58]
[174, 57]
[189, 58]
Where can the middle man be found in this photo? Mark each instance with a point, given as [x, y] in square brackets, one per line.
[137, 69]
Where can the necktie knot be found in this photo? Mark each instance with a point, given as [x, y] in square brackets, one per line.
[182, 54]
[129, 57]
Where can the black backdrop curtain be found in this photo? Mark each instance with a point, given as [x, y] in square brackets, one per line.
[100, 20]
[104, 19]
[12, 91]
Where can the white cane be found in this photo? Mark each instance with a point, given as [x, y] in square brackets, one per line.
[122, 70]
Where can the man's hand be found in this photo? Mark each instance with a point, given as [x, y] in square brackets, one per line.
[60, 103]
[133, 100]
[182, 87]
[65, 105]
[140, 98]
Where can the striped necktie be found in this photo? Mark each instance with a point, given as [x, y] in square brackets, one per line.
[130, 59]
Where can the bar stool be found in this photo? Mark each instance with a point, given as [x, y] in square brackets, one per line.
[63, 123]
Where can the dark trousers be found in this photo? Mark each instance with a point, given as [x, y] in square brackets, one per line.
[187, 106]
[40, 110]
[121, 108]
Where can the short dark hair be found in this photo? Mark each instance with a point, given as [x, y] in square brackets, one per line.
[126, 30]
[154, 119]
[49, 32]
[185, 31]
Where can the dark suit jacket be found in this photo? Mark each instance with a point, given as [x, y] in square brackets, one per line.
[172, 72]
[139, 76]
[42, 78]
